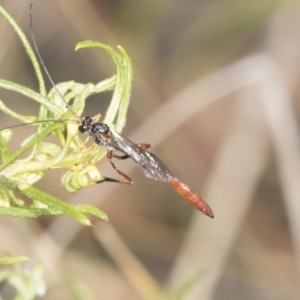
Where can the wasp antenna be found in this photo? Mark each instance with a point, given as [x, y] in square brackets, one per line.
[41, 59]
[36, 122]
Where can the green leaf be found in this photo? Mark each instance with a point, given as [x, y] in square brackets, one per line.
[27, 47]
[93, 211]
[9, 260]
[120, 100]
[46, 199]
[17, 176]
[27, 92]
[31, 212]
[33, 141]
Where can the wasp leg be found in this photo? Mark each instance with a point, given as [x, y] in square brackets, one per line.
[108, 179]
[126, 178]
[89, 160]
[96, 118]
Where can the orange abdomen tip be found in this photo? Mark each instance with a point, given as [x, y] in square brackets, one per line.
[187, 193]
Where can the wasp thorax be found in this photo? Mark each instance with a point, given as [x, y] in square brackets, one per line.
[100, 128]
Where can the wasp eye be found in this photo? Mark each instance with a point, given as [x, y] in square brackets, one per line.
[81, 129]
[85, 124]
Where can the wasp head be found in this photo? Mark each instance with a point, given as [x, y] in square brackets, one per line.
[86, 125]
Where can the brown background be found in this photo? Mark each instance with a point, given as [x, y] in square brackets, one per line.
[215, 91]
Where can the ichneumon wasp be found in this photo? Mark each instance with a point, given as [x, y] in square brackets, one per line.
[152, 166]
[108, 138]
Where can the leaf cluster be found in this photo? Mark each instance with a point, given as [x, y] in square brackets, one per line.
[55, 118]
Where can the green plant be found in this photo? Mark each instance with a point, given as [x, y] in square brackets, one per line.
[27, 283]
[17, 175]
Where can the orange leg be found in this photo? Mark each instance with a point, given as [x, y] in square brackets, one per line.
[126, 178]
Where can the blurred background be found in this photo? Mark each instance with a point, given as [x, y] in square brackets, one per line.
[215, 92]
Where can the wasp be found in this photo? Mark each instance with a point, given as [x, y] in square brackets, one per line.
[152, 166]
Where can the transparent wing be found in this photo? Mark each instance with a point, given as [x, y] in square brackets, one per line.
[152, 166]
